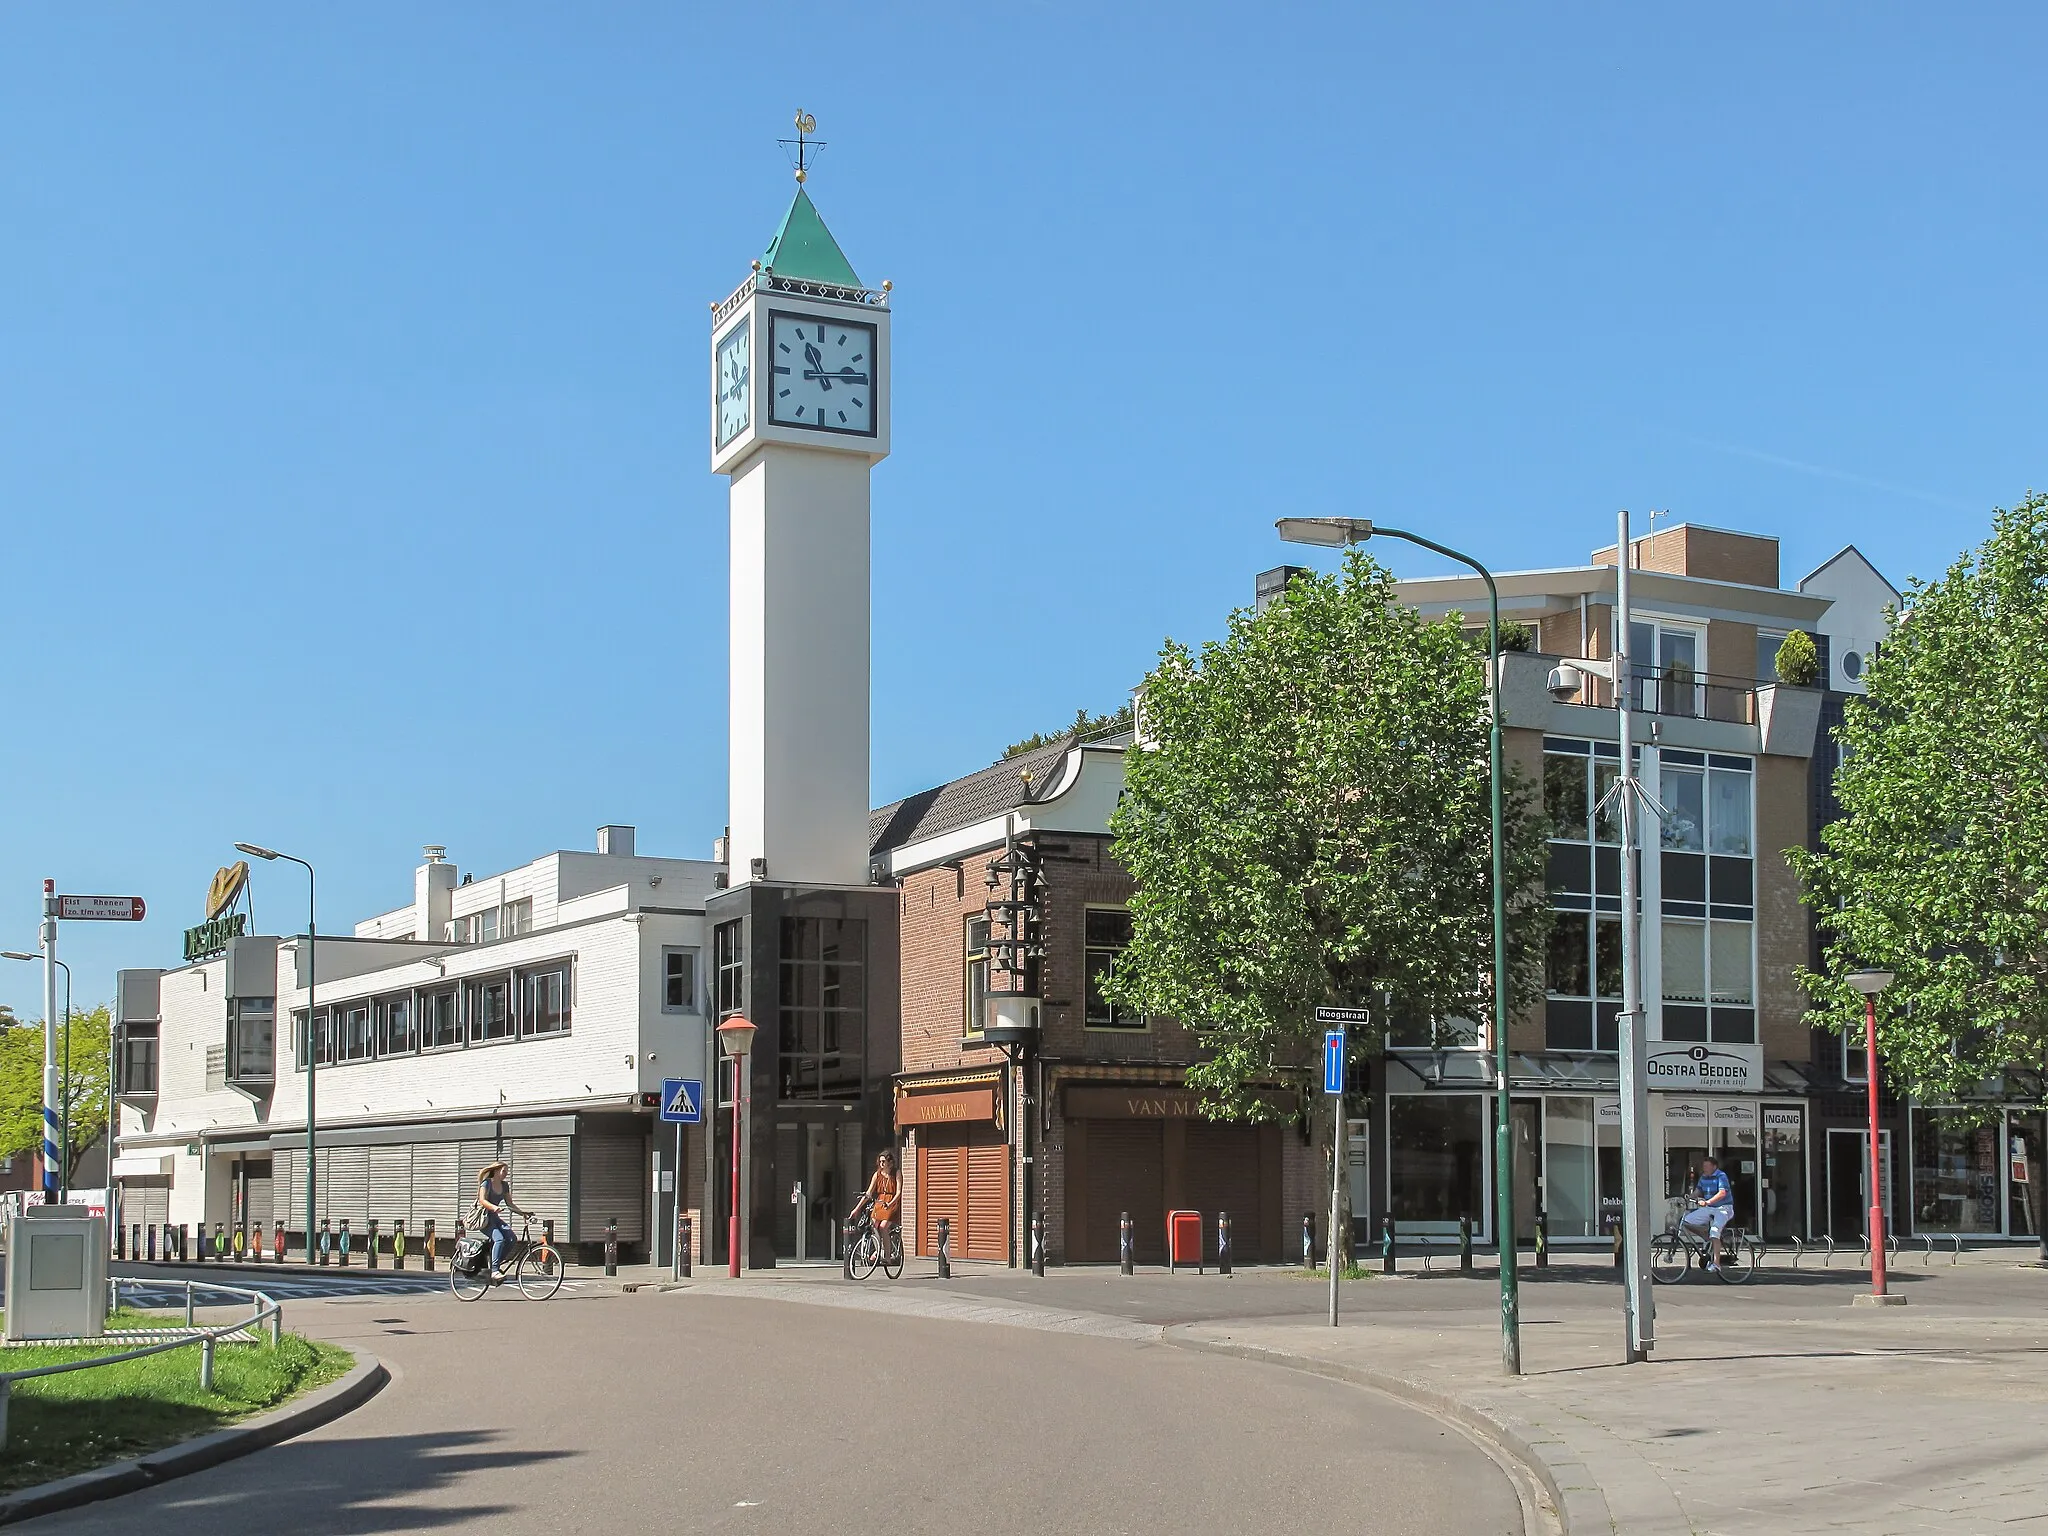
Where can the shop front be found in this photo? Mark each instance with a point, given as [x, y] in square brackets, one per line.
[1978, 1171]
[955, 1136]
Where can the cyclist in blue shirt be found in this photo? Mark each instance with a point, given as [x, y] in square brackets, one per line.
[1717, 1205]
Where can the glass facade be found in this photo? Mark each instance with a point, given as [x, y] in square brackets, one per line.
[823, 1030]
[1582, 974]
[1956, 1170]
[1436, 1145]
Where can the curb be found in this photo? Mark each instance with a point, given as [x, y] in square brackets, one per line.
[203, 1451]
[1580, 1505]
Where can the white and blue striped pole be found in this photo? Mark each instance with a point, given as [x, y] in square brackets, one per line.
[50, 1163]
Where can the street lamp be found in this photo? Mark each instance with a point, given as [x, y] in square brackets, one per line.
[1870, 983]
[736, 1037]
[1335, 533]
[312, 979]
[64, 1095]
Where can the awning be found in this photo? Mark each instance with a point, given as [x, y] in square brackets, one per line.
[142, 1165]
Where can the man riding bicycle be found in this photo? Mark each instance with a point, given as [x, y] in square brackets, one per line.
[1715, 1209]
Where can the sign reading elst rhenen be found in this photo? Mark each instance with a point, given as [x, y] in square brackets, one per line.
[101, 909]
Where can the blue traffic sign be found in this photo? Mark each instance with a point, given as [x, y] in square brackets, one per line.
[1333, 1061]
[682, 1100]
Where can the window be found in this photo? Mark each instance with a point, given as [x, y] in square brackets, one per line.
[486, 1007]
[1664, 660]
[519, 916]
[138, 1058]
[1106, 934]
[440, 1025]
[353, 1040]
[483, 926]
[678, 980]
[1436, 1146]
[823, 1024]
[544, 1001]
[728, 955]
[976, 1001]
[394, 1025]
[252, 1039]
[1767, 643]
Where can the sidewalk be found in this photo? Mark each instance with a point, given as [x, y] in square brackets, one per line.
[1762, 1412]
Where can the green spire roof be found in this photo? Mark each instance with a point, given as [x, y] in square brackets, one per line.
[803, 248]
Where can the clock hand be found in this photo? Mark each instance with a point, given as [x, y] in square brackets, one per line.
[844, 375]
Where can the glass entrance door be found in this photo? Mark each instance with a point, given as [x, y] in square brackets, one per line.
[1526, 1121]
[1849, 1183]
[2024, 1173]
[1784, 1172]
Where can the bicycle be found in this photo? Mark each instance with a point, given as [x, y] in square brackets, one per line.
[864, 1248]
[1674, 1252]
[537, 1272]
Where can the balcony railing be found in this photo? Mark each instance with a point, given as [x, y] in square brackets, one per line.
[1676, 692]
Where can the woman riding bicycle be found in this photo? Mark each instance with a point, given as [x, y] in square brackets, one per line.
[493, 1200]
[883, 1198]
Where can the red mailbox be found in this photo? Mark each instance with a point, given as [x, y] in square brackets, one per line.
[1183, 1240]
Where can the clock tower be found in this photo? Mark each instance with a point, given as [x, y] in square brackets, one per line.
[801, 942]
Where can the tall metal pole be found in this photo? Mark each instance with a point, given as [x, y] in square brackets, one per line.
[1640, 1314]
[64, 1100]
[312, 1056]
[1876, 1167]
[50, 1127]
[1339, 1146]
[732, 1233]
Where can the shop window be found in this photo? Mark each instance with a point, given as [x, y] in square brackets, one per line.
[440, 1024]
[2024, 1173]
[1569, 1175]
[395, 1025]
[487, 1008]
[1436, 1157]
[678, 980]
[1956, 1171]
[544, 1001]
[975, 1003]
[1107, 934]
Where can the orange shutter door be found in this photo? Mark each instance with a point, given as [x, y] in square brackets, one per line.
[941, 1181]
[988, 1195]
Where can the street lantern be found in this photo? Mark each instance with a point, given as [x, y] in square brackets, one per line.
[1870, 983]
[736, 1038]
[258, 851]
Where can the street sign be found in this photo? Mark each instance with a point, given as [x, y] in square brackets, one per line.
[101, 909]
[1333, 1061]
[682, 1100]
[1339, 1018]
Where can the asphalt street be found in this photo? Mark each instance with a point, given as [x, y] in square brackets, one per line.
[698, 1411]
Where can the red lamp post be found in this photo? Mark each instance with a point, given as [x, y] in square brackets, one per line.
[736, 1038]
[1870, 983]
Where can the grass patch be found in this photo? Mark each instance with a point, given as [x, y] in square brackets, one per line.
[1351, 1272]
[58, 1426]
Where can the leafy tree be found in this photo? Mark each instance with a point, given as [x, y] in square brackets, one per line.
[1309, 824]
[21, 1083]
[1084, 724]
[1798, 662]
[1937, 869]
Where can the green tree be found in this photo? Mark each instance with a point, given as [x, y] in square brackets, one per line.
[1798, 660]
[1308, 824]
[1084, 724]
[1937, 869]
[21, 1083]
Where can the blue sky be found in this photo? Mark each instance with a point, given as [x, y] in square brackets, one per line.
[352, 369]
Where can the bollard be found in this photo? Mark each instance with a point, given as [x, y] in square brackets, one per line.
[945, 1247]
[1037, 1248]
[277, 1244]
[241, 1240]
[1542, 1240]
[1308, 1239]
[611, 1246]
[398, 1244]
[1617, 1242]
[371, 1245]
[120, 1241]
[1223, 1242]
[1386, 1244]
[256, 1245]
[1464, 1245]
[427, 1245]
[188, 1303]
[206, 1364]
[326, 1241]
[1127, 1247]
[152, 1242]
[684, 1238]
[345, 1242]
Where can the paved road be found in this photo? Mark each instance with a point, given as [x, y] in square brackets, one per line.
[700, 1411]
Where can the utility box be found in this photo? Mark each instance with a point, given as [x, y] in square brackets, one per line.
[1183, 1239]
[56, 1273]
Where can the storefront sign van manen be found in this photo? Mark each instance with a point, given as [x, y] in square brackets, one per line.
[1674, 1064]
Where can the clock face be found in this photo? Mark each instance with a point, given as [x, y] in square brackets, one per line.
[823, 373]
[735, 376]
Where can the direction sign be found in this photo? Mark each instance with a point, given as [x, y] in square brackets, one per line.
[101, 909]
[1338, 1018]
[1333, 1061]
[682, 1100]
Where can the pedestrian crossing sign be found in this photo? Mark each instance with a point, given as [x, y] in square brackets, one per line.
[682, 1100]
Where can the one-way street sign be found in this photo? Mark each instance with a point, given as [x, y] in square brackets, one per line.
[682, 1100]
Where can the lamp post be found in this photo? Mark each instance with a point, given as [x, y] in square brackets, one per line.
[312, 979]
[1335, 533]
[736, 1037]
[1870, 983]
[63, 1173]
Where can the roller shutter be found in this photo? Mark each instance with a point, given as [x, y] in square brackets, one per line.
[1223, 1173]
[963, 1174]
[146, 1200]
[1126, 1171]
[259, 1205]
[941, 1182]
[471, 1159]
[540, 1177]
[345, 1191]
[610, 1181]
[288, 1188]
[390, 1193]
[434, 1189]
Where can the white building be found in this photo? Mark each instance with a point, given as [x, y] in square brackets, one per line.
[530, 1015]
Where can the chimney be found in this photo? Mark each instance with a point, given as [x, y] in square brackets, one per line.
[433, 886]
[617, 841]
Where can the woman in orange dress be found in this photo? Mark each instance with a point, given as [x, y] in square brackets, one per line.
[884, 1197]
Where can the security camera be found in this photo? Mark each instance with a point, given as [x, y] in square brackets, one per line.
[1565, 683]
